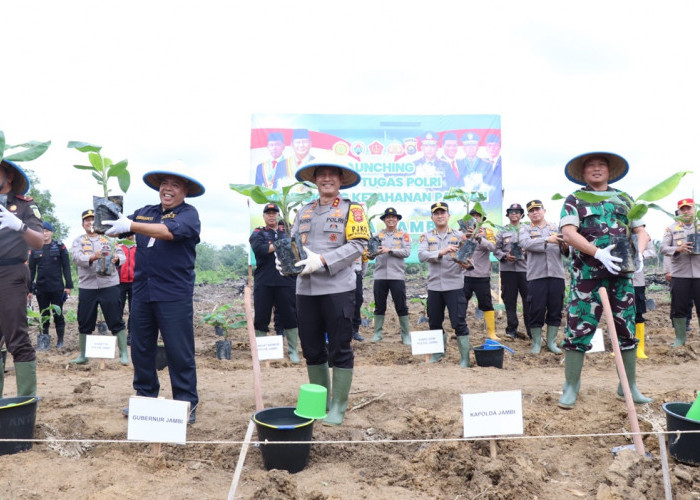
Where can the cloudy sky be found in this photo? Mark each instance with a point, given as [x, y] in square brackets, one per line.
[157, 82]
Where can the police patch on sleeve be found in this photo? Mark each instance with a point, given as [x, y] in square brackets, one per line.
[356, 226]
[35, 209]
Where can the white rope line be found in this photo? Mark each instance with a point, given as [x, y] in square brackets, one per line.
[677, 434]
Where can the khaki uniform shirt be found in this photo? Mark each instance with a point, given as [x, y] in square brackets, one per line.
[683, 265]
[503, 241]
[81, 250]
[544, 260]
[443, 273]
[638, 276]
[392, 265]
[322, 230]
[481, 258]
[12, 245]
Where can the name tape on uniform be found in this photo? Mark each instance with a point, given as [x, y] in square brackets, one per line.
[158, 420]
[427, 342]
[100, 346]
[492, 413]
[270, 347]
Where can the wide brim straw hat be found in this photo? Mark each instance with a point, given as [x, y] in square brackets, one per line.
[21, 184]
[350, 177]
[154, 178]
[618, 166]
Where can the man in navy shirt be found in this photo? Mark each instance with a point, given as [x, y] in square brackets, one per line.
[166, 236]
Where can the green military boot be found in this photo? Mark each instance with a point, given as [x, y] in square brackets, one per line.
[81, 359]
[405, 330]
[26, 378]
[463, 344]
[679, 327]
[434, 358]
[342, 380]
[320, 375]
[536, 340]
[552, 339]
[573, 364]
[260, 333]
[292, 336]
[629, 359]
[378, 325]
[123, 351]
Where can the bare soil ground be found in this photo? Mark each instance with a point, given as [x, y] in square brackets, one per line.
[406, 398]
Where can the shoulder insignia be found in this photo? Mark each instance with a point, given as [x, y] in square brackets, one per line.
[24, 197]
[407, 237]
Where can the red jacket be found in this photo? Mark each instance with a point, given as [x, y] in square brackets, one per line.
[126, 270]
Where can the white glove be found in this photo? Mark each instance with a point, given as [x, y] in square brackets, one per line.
[640, 262]
[604, 256]
[311, 263]
[9, 220]
[278, 266]
[119, 226]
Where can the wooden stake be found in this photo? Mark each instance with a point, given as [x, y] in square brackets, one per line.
[247, 301]
[103, 365]
[427, 358]
[634, 423]
[156, 449]
[241, 459]
[664, 466]
[494, 450]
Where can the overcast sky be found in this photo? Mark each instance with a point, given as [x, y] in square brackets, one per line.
[157, 82]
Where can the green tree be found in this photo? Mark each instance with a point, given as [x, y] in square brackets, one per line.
[46, 206]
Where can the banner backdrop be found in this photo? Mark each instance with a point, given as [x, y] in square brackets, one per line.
[410, 160]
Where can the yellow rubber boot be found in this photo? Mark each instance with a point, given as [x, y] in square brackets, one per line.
[639, 334]
[490, 320]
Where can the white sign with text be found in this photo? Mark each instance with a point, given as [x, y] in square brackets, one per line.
[158, 420]
[598, 342]
[427, 342]
[100, 346]
[492, 413]
[270, 347]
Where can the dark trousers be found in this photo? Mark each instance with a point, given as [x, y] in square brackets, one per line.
[512, 284]
[124, 299]
[684, 293]
[359, 299]
[332, 314]
[45, 300]
[398, 295]
[13, 312]
[108, 300]
[456, 305]
[481, 287]
[640, 303]
[282, 298]
[545, 301]
[175, 322]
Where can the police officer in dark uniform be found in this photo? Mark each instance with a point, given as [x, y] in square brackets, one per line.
[166, 237]
[49, 267]
[20, 229]
[270, 288]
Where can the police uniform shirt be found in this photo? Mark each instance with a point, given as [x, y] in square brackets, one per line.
[481, 258]
[322, 229]
[683, 265]
[82, 248]
[48, 266]
[165, 268]
[444, 274]
[266, 273]
[510, 234]
[392, 265]
[638, 276]
[12, 245]
[544, 259]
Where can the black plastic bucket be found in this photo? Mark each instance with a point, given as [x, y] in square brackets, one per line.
[17, 419]
[281, 424]
[685, 447]
[489, 356]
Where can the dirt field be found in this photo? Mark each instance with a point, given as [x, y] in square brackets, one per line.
[406, 400]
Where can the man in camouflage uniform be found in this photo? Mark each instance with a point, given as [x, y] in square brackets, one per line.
[445, 284]
[545, 275]
[20, 229]
[334, 232]
[588, 226]
[390, 274]
[685, 268]
[513, 271]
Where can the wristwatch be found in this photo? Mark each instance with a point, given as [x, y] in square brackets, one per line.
[23, 228]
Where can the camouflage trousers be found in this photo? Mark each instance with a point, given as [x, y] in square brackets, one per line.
[585, 309]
